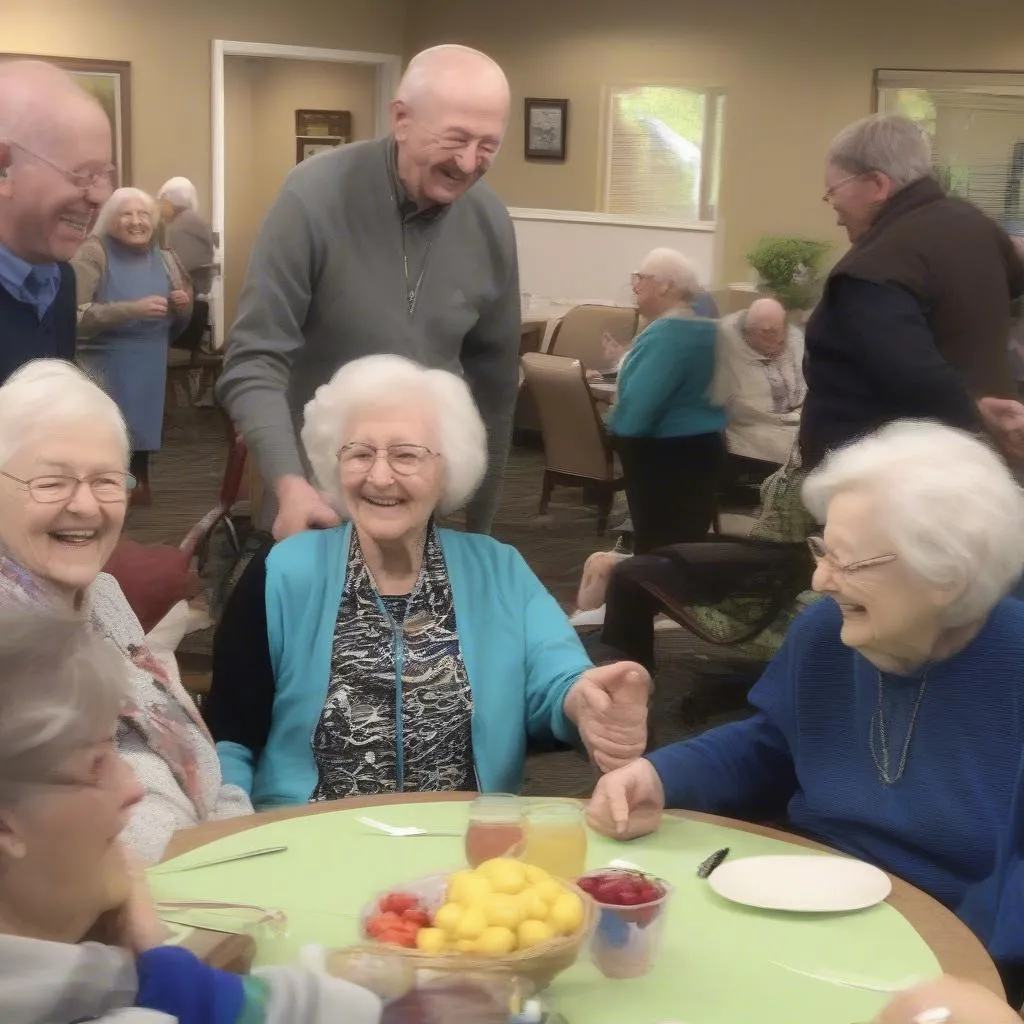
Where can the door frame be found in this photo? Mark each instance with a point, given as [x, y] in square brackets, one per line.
[388, 67]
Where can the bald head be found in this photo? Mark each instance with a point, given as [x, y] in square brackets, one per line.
[765, 326]
[448, 118]
[53, 137]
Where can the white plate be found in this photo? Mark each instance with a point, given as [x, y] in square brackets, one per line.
[808, 884]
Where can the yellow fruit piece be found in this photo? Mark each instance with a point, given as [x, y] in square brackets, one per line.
[497, 864]
[448, 917]
[502, 910]
[471, 924]
[534, 905]
[535, 875]
[431, 940]
[465, 945]
[507, 876]
[467, 888]
[533, 933]
[549, 890]
[566, 913]
[495, 941]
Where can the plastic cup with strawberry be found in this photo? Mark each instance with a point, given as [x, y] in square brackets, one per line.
[633, 906]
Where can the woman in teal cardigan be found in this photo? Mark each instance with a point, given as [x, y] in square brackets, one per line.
[665, 428]
[387, 654]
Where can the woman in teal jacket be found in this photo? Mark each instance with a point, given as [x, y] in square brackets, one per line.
[387, 654]
[666, 430]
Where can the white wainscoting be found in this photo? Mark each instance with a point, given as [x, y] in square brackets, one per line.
[568, 257]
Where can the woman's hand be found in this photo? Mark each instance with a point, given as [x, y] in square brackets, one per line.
[608, 705]
[966, 1002]
[179, 300]
[135, 925]
[628, 803]
[152, 307]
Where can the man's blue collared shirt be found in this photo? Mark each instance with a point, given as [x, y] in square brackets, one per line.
[35, 284]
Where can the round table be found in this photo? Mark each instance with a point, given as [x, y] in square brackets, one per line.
[954, 946]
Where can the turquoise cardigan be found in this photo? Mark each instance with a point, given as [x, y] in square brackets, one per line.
[665, 382]
[521, 655]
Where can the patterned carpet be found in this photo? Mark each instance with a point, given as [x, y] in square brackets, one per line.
[186, 477]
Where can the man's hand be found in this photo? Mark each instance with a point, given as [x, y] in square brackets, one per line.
[179, 300]
[1004, 420]
[609, 707]
[967, 1003]
[300, 506]
[628, 803]
[152, 307]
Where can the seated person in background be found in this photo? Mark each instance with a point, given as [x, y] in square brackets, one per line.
[79, 933]
[63, 494]
[665, 428]
[704, 305]
[889, 725]
[387, 654]
[760, 383]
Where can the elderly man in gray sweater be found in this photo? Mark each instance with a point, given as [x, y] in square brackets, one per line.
[389, 246]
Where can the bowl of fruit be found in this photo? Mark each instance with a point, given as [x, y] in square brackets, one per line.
[632, 908]
[503, 914]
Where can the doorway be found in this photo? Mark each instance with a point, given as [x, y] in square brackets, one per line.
[257, 89]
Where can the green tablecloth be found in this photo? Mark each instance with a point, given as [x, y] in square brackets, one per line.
[719, 965]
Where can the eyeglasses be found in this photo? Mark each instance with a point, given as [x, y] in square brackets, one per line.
[50, 490]
[101, 180]
[404, 459]
[637, 277]
[830, 192]
[820, 554]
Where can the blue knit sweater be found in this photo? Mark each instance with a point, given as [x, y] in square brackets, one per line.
[945, 826]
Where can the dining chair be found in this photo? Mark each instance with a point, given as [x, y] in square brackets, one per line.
[577, 450]
[579, 333]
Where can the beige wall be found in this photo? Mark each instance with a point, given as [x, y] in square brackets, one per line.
[794, 71]
[169, 47]
[261, 97]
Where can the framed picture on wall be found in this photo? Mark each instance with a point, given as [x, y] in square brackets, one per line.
[305, 148]
[546, 124]
[110, 82]
[330, 124]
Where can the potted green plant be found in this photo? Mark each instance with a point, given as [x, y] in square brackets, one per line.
[789, 269]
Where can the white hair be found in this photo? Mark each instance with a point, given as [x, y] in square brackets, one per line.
[180, 193]
[672, 269]
[61, 689]
[888, 143]
[45, 393]
[380, 381]
[112, 207]
[949, 505]
[424, 69]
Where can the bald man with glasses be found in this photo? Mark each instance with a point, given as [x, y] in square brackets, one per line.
[55, 173]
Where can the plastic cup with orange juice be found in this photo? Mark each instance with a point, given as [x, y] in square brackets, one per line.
[556, 838]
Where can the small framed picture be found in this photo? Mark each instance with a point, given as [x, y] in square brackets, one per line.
[305, 148]
[547, 123]
[333, 124]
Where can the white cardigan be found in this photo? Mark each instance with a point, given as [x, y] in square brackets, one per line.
[755, 429]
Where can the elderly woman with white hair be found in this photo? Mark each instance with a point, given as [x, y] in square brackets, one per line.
[889, 724]
[387, 654]
[133, 297]
[665, 427]
[915, 318]
[189, 236]
[64, 486]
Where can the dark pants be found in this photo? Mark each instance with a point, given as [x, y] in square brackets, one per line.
[671, 487]
[191, 338]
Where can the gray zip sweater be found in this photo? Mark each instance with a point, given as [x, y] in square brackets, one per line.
[330, 278]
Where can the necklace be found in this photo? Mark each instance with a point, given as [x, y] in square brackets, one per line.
[882, 762]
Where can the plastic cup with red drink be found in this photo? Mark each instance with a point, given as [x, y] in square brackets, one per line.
[633, 907]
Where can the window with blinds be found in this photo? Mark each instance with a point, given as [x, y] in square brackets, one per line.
[975, 121]
[663, 149]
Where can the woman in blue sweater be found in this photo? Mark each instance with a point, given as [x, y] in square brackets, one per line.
[664, 426]
[890, 724]
[386, 654]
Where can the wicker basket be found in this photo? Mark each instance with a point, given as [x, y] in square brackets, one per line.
[538, 965]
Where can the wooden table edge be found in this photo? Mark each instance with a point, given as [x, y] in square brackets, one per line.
[955, 946]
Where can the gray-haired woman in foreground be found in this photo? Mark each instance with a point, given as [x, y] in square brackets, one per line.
[65, 879]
